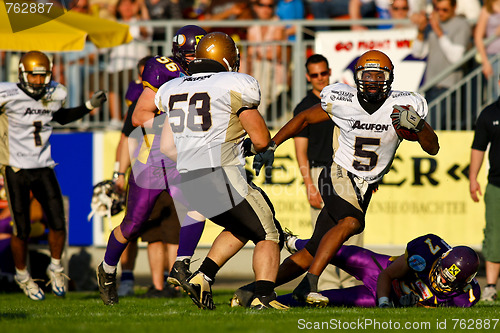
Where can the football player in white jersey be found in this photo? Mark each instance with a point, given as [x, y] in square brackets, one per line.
[26, 110]
[207, 117]
[364, 144]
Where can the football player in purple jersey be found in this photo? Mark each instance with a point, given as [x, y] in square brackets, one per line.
[152, 173]
[430, 273]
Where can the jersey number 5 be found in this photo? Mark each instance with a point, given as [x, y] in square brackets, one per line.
[197, 110]
[369, 155]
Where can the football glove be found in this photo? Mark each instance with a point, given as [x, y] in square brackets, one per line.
[409, 300]
[97, 100]
[248, 148]
[407, 118]
[265, 158]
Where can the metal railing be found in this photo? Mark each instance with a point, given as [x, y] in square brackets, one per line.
[82, 73]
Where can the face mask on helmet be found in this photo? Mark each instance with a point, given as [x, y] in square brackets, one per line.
[373, 75]
[454, 270]
[184, 43]
[35, 72]
[106, 200]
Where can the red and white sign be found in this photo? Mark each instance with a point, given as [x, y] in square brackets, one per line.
[343, 48]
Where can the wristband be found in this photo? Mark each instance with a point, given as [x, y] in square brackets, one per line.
[117, 174]
[88, 105]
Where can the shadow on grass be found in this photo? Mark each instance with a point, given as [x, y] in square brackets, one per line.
[12, 315]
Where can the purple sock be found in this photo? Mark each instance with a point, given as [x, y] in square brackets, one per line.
[114, 250]
[189, 236]
[300, 243]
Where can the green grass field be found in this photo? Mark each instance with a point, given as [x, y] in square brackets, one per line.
[84, 312]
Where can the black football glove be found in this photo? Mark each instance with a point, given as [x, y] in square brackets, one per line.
[409, 300]
[265, 158]
[248, 148]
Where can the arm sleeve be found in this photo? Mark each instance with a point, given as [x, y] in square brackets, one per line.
[65, 116]
[419, 49]
[453, 52]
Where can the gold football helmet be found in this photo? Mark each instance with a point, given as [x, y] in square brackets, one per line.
[219, 47]
[371, 87]
[35, 63]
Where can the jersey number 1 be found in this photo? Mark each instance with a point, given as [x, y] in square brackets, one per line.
[36, 133]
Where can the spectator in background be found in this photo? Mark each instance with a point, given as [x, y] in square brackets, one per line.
[399, 10]
[325, 9]
[314, 154]
[359, 9]
[266, 61]
[488, 133]
[123, 58]
[443, 38]
[469, 9]
[488, 25]
[79, 63]
[227, 10]
[290, 10]
[162, 10]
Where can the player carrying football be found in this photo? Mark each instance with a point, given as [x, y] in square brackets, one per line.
[364, 144]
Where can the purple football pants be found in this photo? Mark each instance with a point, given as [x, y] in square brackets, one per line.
[143, 191]
[361, 263]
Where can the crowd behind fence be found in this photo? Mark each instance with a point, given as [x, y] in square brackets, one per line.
[86, 71]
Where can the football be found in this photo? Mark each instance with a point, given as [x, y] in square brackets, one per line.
[403, 132]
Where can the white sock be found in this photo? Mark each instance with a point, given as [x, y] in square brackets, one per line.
[181, 258]
[22, 274]
[108, 269]
[55, 264]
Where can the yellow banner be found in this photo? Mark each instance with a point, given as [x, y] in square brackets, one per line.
[420, 194]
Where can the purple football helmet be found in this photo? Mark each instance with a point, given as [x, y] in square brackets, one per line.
[454, 270]
[185, 41]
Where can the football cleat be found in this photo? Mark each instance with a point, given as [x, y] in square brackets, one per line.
[243, 296]
[126, 288]
[107, 286]
[290, 239]
[267, 302]
[316, 300]
[306, 292]
[199, 289]
[56, 279]
[179, 273]
[31, 289]
[489, 294]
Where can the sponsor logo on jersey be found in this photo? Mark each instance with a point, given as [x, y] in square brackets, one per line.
[400, 93]
[9, 92]
[417, 263]
[356, 124]
[341, 95]
[198, 78]
[425, 291]
[30, 111]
